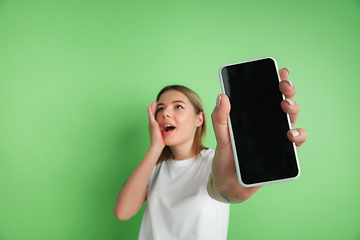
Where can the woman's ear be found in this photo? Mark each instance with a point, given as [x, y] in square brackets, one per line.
[200, 119]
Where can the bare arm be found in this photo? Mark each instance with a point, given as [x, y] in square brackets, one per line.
[226, 195]
[134, 192]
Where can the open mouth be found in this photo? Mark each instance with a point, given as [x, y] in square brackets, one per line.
[168, 128]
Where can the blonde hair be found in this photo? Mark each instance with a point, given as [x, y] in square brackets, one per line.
[200, 131]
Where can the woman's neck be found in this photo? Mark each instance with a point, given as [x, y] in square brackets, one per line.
[182, 152]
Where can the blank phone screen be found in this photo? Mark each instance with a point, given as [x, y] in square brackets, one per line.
[259, 124]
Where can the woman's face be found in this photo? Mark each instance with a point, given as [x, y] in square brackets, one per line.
[177, 118]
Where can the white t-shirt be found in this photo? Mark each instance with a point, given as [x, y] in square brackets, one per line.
[178, 205]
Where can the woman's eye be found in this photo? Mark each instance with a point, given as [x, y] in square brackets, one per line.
[159, 109]
[178, 107]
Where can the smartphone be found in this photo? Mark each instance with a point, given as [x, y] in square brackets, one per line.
[258, 126]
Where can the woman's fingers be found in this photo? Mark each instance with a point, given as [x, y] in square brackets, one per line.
[149, 112]
[298, 136]
[152, 111]
[219, 119]
[286, 86]
[284, 73]
[288, 89]
[292, 108]
[154, 128]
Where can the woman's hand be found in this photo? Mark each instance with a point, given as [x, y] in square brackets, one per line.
[156, 138]
[297, 135]
[223, 184]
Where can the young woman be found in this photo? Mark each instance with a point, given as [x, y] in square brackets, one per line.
[188, 187]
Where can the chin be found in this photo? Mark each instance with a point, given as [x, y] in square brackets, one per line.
[170, 143]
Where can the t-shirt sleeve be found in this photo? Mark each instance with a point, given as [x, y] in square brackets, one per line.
[154, 174]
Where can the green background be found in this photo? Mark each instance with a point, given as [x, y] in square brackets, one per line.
[76, 77]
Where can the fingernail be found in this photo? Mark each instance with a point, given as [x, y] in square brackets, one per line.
[289, 82]
[218, 100]
[291, 102]
[294, 132]
[287, 70]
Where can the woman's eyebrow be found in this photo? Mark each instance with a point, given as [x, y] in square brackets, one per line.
[162, 104]
[178, 101]
[159, 104]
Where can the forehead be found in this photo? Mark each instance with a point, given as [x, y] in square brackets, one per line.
[173, 95]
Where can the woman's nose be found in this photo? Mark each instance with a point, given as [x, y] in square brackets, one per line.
[166, 113]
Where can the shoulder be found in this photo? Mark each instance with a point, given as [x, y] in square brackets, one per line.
[207, 154]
